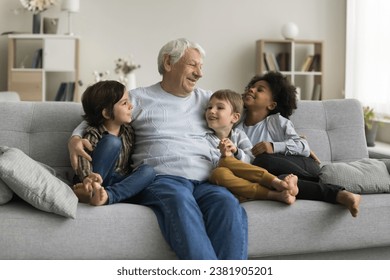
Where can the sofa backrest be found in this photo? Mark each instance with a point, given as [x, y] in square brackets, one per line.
[334, 128]
[41, 130]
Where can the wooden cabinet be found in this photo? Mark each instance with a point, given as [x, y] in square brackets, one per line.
[300, 60]
[39, 63]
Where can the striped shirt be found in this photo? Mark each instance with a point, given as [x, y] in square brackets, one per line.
[123, 164]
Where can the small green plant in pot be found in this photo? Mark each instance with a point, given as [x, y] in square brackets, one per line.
[370, 125]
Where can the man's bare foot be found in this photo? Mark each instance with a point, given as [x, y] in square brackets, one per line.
[290, 183]
[350, 200]
[282, 196]
[82, 192]
[100, 196]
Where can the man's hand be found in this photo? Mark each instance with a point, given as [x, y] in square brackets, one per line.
[76, 147]
[262, 147]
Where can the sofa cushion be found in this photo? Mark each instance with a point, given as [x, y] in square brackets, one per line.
[35, 184]
[362, 176]
[6, 193]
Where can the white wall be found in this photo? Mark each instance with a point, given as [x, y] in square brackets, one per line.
[227, 29]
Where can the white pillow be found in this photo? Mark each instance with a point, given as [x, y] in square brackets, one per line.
[362, 176]
[35, 184]
[6, 193]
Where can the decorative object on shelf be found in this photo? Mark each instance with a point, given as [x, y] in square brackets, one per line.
[50, 25]
[36, 26]
[290, 31]
[36, 7]
[71, 6]
[370, 125]
[125, 69]
[100, 76]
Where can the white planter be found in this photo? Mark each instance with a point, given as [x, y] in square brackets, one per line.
[131, 81]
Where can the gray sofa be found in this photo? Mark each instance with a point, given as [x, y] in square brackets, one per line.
[304, 230]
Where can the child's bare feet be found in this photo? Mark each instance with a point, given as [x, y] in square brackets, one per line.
[282, 196]
[350, 200]
[100, 196]
[290, 183]
[82, 192]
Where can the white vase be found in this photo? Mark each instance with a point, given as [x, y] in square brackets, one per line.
[131, 81]
[290, 31]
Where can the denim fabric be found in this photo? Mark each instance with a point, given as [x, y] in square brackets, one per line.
[118, 187]
[199, 220]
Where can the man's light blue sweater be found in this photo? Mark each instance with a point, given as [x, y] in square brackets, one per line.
[171, 132]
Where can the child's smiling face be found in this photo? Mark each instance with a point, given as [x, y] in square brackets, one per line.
[259, 96]
[219, 114]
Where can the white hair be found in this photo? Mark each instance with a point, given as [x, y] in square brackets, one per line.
[175, 50]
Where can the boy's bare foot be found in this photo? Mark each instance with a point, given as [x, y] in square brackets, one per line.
[282, 196]
[290, 183]
[100, 196]
[82, 192]
[350, 200]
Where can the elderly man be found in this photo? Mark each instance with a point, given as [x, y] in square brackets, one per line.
[199, 220]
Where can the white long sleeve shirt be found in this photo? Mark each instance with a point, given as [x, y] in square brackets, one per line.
[239, 139]
[280, 132]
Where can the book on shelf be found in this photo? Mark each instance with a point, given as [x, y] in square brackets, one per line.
[70, 91]
[65, 91]
[275, 62]
[315, 64]
[306, 64]
[316, 92]
[283, 60]
[265, 62]
[270, 60]
[60, 96]
[37, 59]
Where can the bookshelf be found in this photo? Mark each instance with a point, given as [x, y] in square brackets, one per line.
[39, 63]
[300, 60]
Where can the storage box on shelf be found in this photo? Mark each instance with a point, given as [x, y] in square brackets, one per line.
[37, 62]
[300, 60]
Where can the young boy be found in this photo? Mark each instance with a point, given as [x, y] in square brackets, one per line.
[231, 155]
[108, 113]
[269, 101]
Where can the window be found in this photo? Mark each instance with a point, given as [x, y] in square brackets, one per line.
[368, 53]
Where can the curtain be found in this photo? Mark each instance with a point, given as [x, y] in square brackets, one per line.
[368, 53]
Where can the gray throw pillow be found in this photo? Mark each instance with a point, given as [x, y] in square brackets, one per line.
[362, 176]
[6, 193]
[35, 184]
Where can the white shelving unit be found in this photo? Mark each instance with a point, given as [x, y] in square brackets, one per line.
[295, 53]
[30, 74]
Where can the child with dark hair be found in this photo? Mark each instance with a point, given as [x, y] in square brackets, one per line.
[269, 101]
[231, 155]
[108, 113]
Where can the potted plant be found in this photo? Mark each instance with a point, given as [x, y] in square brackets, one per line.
[370, 125]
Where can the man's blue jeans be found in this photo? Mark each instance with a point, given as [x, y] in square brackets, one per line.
[118, 187]
[199, 220]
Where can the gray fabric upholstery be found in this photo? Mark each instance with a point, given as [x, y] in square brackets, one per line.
[9, 96]
[361, 176]
[6, 193]
[334, 129]
[304, 230]
[35, 184]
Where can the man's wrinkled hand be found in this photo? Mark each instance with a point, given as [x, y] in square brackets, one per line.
[76, 147]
